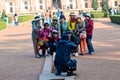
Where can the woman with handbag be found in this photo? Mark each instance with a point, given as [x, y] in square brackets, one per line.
[81, 33]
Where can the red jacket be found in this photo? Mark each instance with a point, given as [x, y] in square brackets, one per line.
[89, 27]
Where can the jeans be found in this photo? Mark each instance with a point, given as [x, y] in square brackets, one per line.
[89, 43]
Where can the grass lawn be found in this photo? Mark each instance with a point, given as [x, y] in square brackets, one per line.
[2, 25]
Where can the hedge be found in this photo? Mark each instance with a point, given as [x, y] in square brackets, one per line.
[2, 25]
[25, 18]
[99, 14]
[115, 19]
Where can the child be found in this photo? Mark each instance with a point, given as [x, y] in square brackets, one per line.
[52, 41]
[44, 35]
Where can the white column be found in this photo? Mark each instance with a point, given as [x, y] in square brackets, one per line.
[83, 4]
[112, 3]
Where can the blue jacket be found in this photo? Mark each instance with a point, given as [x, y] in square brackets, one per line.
[63, 51]
[35, 30]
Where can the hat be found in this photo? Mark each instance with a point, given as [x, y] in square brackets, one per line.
[62, 16]
[78, 17]
[55, 32]
[37, 18]
[72, 14]
[88, 15]
[55, 18]
[64, 37]
[68, 31]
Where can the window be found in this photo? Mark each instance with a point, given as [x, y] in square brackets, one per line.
[116, 3]
[86, 5]
[70, 0]
[41, 7]
[11, 4]
[71, 6]
[11, 9]
[100, 4]
[41, 2]
[26, 7]
[26, 3]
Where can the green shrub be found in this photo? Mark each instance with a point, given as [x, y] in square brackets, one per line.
[2, 25]
[97, 15]
[25, 18]
[115, 19]
[3, 14]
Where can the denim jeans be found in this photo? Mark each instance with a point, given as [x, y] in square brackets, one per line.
[89, 43]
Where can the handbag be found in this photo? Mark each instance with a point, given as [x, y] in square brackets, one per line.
[82, 35]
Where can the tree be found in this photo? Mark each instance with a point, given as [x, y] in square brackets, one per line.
[105, 5]
[3, 14]
[95, 4]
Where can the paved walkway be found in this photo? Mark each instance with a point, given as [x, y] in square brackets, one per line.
[17, 60]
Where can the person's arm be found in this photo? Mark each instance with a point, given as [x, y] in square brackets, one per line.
[72, 46]
[83, 27]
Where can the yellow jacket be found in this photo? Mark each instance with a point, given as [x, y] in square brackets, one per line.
[72, 25]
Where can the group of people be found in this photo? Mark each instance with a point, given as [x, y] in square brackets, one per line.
[14, 20]
[113, 11]
[63, 38]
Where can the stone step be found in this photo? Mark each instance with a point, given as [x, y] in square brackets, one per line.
[48, 69]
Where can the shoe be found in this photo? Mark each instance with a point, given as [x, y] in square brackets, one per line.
[76, 54]
[37, 55]
[82, 54]
[91, 53]
[57, 73]
[71, 74]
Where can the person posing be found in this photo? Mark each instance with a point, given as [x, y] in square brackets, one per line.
[73, 38]
[81, 33]
[47, 16]
[63, 24]
[6, 20]
[52, 42]
[62, 57]
[72, 22]
[44, 35]
[89, 31]
[35, 35]
[16, 19]
[55, 25]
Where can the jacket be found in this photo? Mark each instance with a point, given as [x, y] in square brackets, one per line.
[63, 27]
[71, 25]
[89, 26]
[63, 51]
[35, 30]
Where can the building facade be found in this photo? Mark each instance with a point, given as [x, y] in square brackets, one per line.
[29, 6]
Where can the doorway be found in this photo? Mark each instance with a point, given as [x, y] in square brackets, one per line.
[56, 4]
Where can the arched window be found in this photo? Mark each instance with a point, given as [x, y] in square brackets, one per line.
[11, 7]
[71, 6]
[86, 5]
[26, 5]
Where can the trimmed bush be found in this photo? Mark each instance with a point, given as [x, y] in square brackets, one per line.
[98, 14]
[2, 25]
[115, 19]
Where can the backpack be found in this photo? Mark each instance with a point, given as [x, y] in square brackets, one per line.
[71, 65]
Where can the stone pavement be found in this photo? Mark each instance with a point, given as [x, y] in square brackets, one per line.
[17, 60]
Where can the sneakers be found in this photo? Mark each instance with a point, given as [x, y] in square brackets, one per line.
[37, 55]
[75, 54]
[91, 53]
